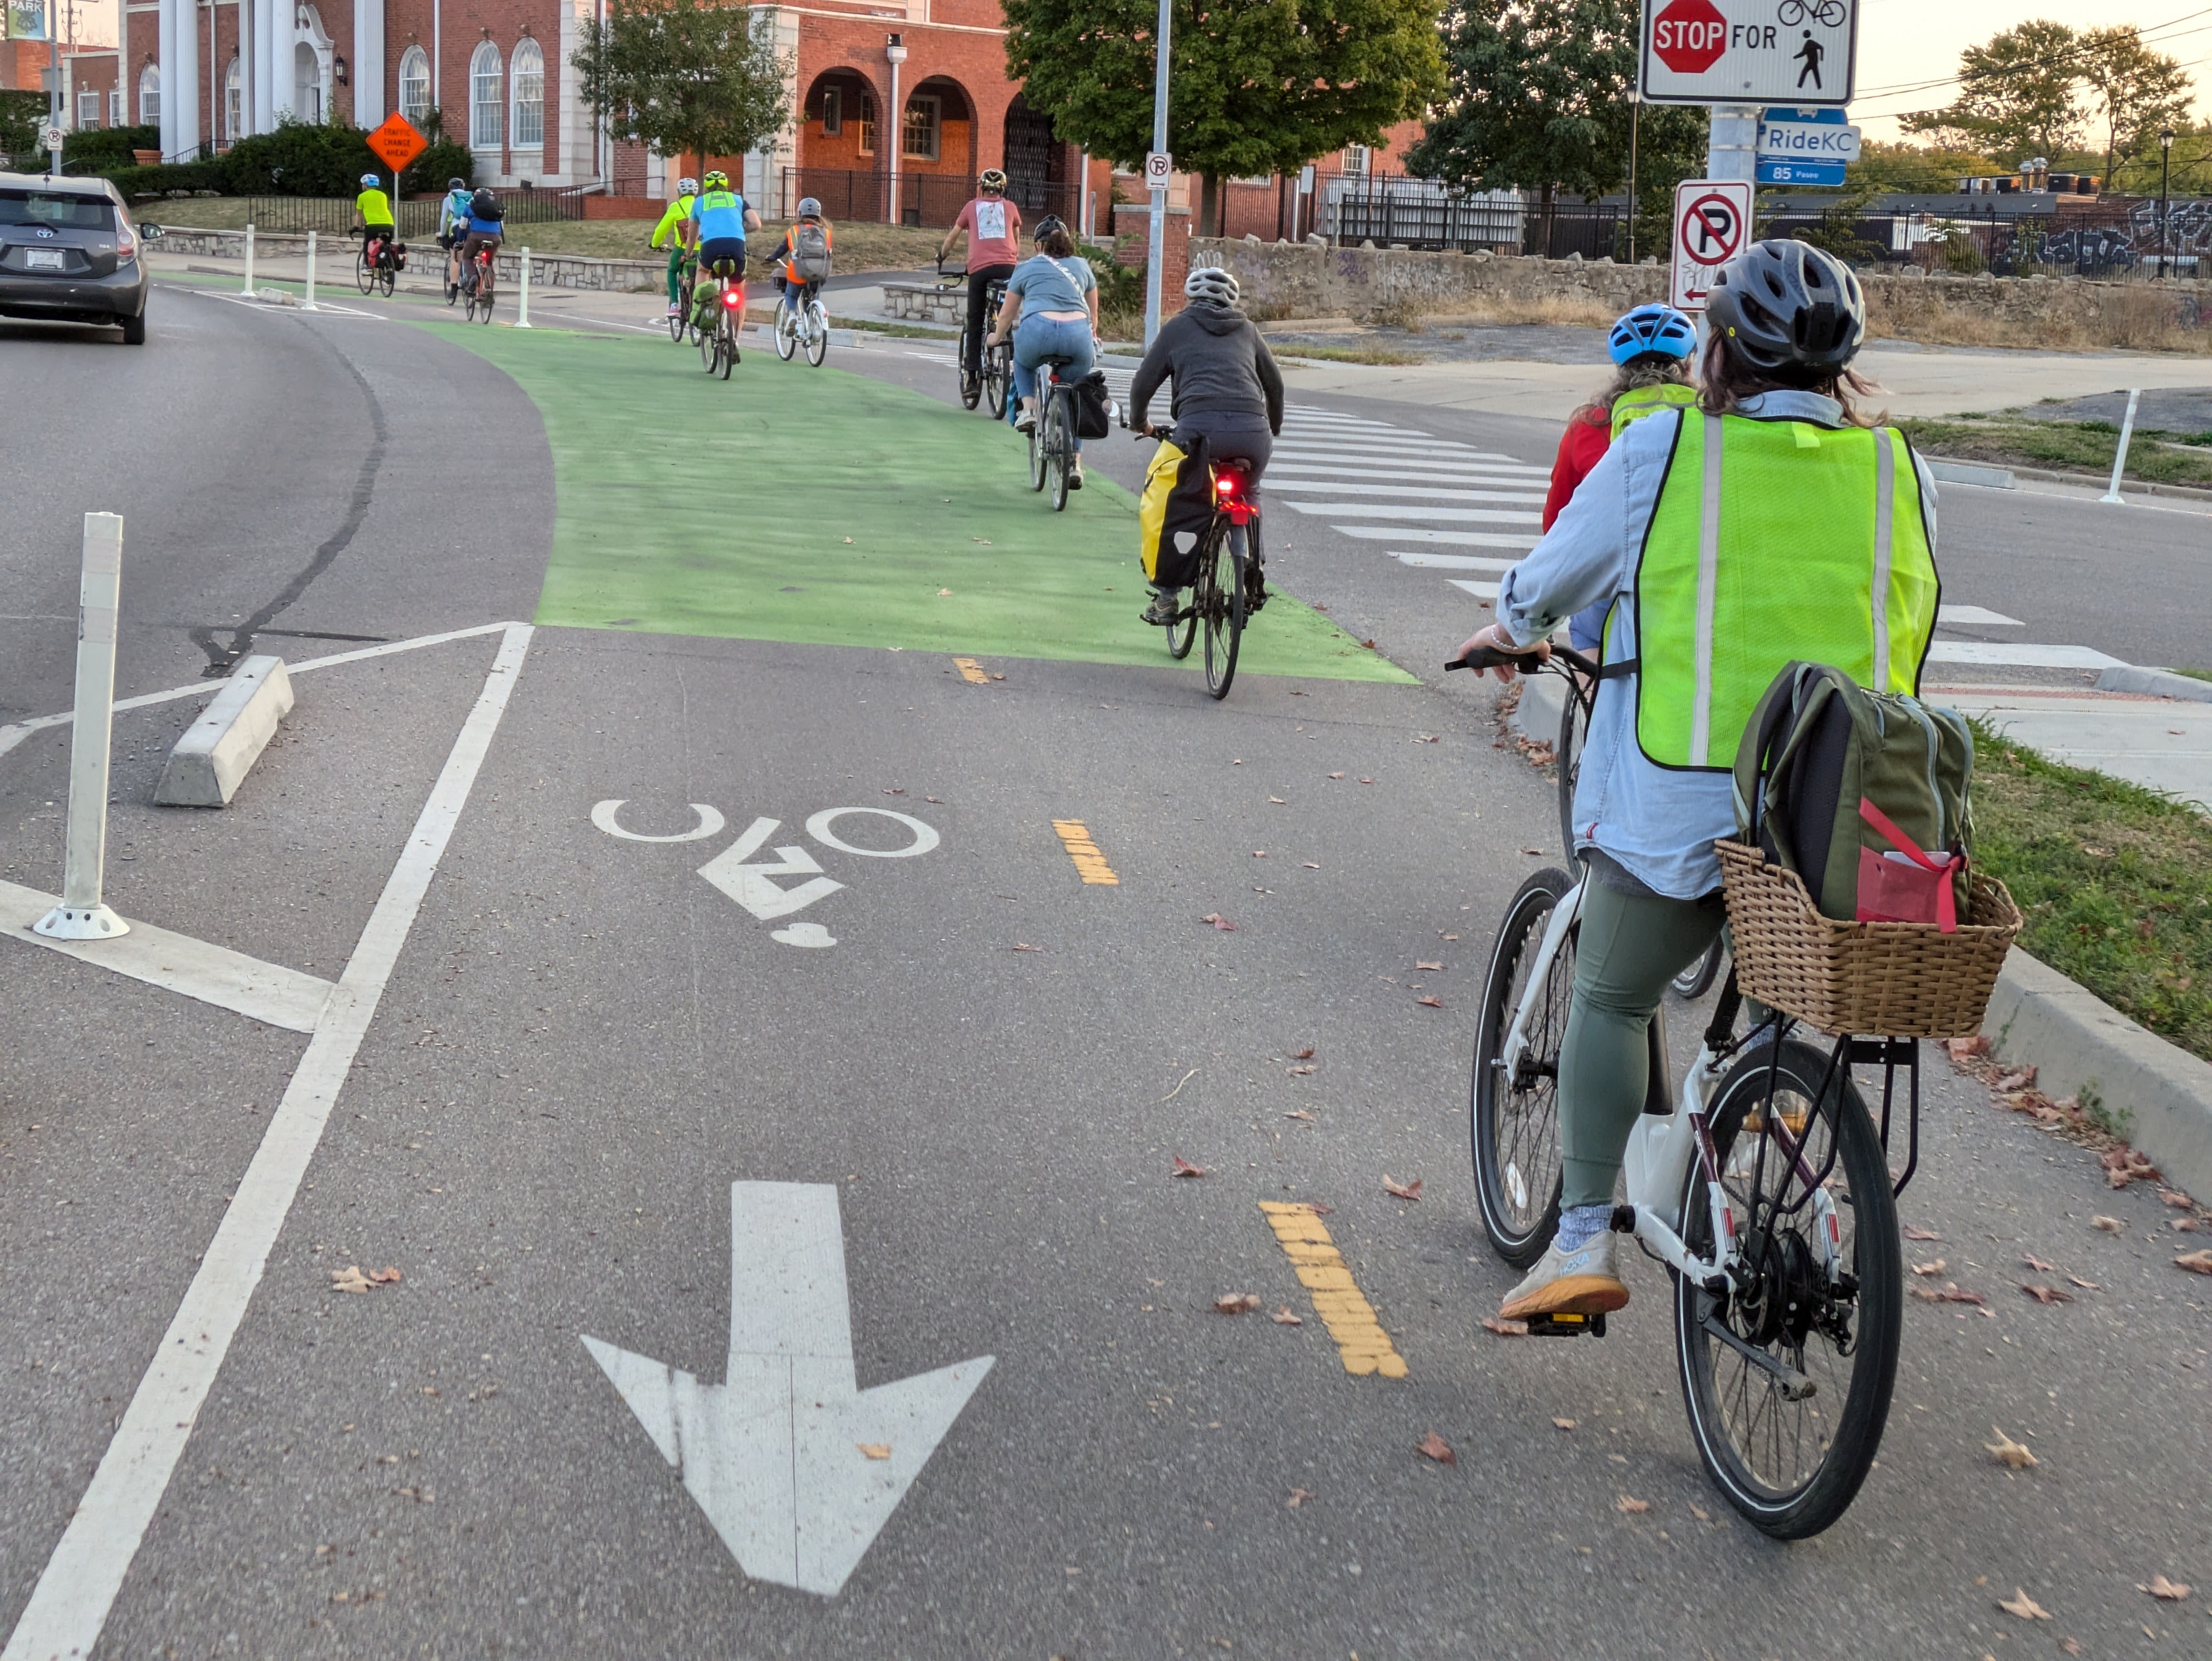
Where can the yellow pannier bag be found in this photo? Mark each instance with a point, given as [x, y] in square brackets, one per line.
[1174, 513]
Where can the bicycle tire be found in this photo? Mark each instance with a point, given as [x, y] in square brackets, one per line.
[710, 348]
[1515, 1131]
[1223, 617]
[818, 340]
[971, 384]
[483, 306]
[469, 304]
[1059, 447]
[727, 351]
[387, 279]
[787, 339]
[1036, 437]
[676, 322]
[1567, 758]
[364, 274]
[998, 381]
[1697, 980]
[1737, 1428]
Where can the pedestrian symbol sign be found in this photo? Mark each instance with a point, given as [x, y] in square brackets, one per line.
[1801, 52]
[397, 143]
[1712, 219]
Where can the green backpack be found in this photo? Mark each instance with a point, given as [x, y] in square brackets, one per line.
[1863, 794]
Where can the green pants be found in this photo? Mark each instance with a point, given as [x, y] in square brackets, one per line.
[1628, 948]
[675, 274]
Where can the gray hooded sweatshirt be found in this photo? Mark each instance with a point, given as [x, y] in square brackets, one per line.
[1225, 378]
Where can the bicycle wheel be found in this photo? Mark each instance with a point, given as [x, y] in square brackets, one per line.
[710, 348]
[971, 382]
[676, 319]
[387, 279]
[1567, 757]
[1695, 981]
[817, 336]
[998, 379]
[1790, 1441]
[469, 302]
[1790, 14]
[1059, 447]
[484, 307]
[1223, 614]
[1037, 454]
[364, 274]
[1513, 1121]
[786, 333]
[729, 345]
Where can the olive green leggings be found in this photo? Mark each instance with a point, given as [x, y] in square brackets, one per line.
[1628, 948]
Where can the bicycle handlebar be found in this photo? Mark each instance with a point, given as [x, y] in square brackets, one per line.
[1490, 658]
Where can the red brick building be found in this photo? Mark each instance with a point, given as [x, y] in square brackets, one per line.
[89, 80]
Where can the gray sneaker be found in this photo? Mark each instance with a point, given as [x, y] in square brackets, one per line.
[1583, 1281]
[1166, 606]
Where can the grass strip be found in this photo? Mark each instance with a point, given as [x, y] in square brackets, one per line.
[2115, 882]
[2081, 446]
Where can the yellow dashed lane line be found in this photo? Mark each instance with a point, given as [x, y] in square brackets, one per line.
[971, 672]
[1349, 1318]
[1090, 864]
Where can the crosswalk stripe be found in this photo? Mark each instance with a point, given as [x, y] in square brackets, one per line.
[1520, 539]
[1455, 563]
[1383, 510]
[1409, 490]
[1480, 590]
[1318, 474]
[2009, 654]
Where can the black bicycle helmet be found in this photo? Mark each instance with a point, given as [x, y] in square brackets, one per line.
[1785, 305]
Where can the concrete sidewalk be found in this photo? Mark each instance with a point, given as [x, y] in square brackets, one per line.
[2162, 744]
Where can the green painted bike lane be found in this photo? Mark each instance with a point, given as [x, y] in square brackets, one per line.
[821, 507]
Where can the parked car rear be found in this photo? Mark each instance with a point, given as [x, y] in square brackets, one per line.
[69, 254]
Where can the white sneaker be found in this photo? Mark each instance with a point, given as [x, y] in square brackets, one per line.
[1583, 1281]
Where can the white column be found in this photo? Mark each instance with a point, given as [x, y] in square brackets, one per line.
[166, 51]
[576, 156]
[368, 109]
[284, 30]
[245, 58]
[265, 62]
[187, 38]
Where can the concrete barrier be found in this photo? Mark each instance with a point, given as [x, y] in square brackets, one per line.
[219, 749]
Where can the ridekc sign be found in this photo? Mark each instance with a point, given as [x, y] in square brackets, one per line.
[1799, 52]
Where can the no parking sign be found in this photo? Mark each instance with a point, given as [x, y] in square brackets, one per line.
[1712, 220]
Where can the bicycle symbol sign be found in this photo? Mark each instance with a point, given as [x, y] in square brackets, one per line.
[1712, 217]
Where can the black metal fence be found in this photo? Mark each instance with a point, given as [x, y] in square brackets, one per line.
[334, 215]
[2109, 240]
[924, 198]
[1420, 213]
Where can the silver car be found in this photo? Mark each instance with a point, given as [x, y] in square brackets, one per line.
[69, 253]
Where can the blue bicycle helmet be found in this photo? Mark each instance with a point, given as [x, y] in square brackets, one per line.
[1652, 330]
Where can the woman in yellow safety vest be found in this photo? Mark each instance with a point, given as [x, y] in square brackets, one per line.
[1772, 523]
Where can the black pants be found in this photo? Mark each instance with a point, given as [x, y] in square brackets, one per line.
[1253, 446]
[979, 285]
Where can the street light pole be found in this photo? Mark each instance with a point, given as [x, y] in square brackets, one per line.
[895, 128]
[1154, 254]
[2165, 201]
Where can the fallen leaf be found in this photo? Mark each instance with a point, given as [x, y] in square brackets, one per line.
[1921, 1234]
[384, 1277]
[899, 790]
[350, 1279]
[1220, 921]
[1023, 946]
[1367, 781]
[1319, 1209]
[2069, 1646]
[1302, 1070]
[1300, 1114]
[2006, 1083]
[1936, 1268]
[2086, 1286]
[2108, 1225]
[942, 593]
[1628, 1507]
[2048, 1294]
[1503, 1328]
[1965, 1050]
[1951, 1294]
[875, 1449]
[1533, 850]
[1184, 1168]
[1433, 1446]
[1437, 966]
[1258, 852]
[1429, 1001]
[2038, 1265]
[1305, 1055]
[2174, 1196]
[848, 539]
[1412, 1190]
[1309, 864]
[1298, 1497]
[1336, 776]
[1278, 801]
[1236, 1303]
[2021, 1604]
[938, 799]
[2197, 1262]
[1564, 1424]
[2163, 1589]
[1284, 1318]
[2009, 1452]
[1700, 1513]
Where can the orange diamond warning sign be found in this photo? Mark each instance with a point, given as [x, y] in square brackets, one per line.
[396, 143]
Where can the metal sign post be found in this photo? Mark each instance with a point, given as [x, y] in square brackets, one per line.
[1158, 169]
[80, 916]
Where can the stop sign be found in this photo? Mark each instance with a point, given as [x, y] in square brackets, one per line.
[1688, 36]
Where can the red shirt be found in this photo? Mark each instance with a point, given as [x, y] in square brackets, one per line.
[995, 232]
[1580, 448]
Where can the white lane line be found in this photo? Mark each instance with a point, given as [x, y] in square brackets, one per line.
[1320, 474]
[1521, 540]
[1456, 563]
[1446, 515]
[1316, 450]
[12, 736]
[1409, 490]
[1960, 616]
[2007, 654]
[177, 963]
[331, 306]
[642, 328]
[1480, 590]
[71, 1603]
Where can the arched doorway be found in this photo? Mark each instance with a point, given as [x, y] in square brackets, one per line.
[937, 150]
[1036, 162]
[839, 162]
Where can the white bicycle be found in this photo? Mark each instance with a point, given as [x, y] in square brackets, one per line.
[809, 329]
[1764, 1186]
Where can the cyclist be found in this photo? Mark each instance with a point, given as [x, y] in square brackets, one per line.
[720, 219]
[993, 226]
[1226, 387]
[482, 231]
[675, 227]
[1651, 349]
[1051, 312]
[452, 226]
[377, 231]
[801, 261]
[1775, 511]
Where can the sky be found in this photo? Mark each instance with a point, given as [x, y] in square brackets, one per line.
[1905, 43]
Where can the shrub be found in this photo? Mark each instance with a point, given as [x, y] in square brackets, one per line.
[104, 150]
[137, 182]
[303, 158]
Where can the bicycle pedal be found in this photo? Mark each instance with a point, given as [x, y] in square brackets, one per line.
[1566, 1326]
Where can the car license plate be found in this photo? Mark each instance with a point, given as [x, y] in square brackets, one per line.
[44, 260]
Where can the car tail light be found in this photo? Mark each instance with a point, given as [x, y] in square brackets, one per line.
[126, 248]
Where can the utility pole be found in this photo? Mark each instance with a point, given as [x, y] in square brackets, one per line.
[1153, 254]
[2165, 200]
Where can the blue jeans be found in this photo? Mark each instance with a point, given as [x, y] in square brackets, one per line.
[1039, 339]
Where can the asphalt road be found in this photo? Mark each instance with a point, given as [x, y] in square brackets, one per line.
[583, 1045]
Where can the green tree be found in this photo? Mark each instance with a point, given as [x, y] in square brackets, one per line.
[2020, 94]
[683, 77]
[1255, 86]
[1539, 101]
[2138, 91]
[1918, 169]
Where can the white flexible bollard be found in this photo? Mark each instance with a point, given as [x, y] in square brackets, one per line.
[248, 290]
[308, 304]
[81, 916]
[522, 310]
[2120, 456]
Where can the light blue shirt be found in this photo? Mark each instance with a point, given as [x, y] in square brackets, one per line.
[1658, 823]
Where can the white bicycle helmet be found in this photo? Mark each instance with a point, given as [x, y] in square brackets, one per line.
[809, 208]
[1210, 285]
[370, 181]
[687, 187]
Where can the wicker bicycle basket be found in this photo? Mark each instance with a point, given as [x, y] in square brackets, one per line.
[1901, 980]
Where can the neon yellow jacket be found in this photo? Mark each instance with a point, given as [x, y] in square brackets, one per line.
[678, 214]
[374, 207]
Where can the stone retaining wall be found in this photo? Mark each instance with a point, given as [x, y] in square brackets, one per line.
[334, 259]
[1293, 280]
[924, 302]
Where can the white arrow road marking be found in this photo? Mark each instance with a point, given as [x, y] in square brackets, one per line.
[749, 885]
[710, 823]
[773, 1454]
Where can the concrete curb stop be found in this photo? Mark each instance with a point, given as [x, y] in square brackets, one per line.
[2154, 683]
[219, 749]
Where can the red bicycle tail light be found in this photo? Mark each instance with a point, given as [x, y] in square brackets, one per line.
[1226, 484]
[732, 299]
